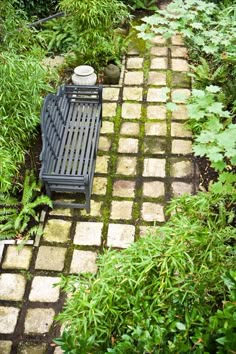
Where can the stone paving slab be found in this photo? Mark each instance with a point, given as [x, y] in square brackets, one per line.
[144, 158]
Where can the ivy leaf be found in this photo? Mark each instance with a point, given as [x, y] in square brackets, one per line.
[206, 137]
[199, 40]
[213, 88]
[214, 154]
[197, 25]
[219, 165]
[198, 93]
[216, 108]
[199, 149]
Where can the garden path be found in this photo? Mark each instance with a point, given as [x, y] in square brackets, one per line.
[144, 159]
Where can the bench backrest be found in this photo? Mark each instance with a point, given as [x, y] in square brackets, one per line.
[56, 119]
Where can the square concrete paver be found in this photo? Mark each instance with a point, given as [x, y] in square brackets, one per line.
[99, 185]
[110, 93]
[180, 113]
[158, 40]
[157, 129]
[181, 169]
[132, 94]
[154, 167]
[158, 63]
[5, 346]
[123, 188]
[104, 143]
[8, 319]
[159, 51]
[95, 209]
[102, 164]
[133, 78]
[129, 128]
[17, 259]
[83, 262]
[88, 233]
[131, 110]
[107, 127]
[147, 231]
[121, 210]
[120, 235]
[156, 95]
[135, 63]
[180, 130]
[128, 145]
[156, 78]
[12, 287]
[38, 320]
[153, 189]
[50, 258]
[156, 112]
[43, 289]
[180, 188]
[179, 65]
[153, 212]
[181, 146]
[126, 165]
[57, 231]
[177, 39]
[109, 109]
[154, 145]
[178, 52]
[32, 348]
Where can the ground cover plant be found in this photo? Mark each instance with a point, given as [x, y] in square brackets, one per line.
[162, 294]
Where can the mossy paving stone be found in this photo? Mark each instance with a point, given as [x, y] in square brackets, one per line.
[181, 80]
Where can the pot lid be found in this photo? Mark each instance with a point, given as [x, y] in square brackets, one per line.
[83, 70]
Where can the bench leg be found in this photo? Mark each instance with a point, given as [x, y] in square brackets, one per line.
[48, 191]
[87, 199]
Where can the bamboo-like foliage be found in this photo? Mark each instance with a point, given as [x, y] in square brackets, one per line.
[23, 82]
[157, 296]
[94, 22]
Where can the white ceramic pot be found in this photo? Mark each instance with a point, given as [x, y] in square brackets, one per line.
[84, 75]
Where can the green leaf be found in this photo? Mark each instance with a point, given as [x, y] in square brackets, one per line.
[181, 326]
[216, 107]
[213, 89]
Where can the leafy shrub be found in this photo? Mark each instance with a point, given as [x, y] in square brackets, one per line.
[160, 294]
[213, 127]
[15, 35]
[94, 32]
[40, 8]
[209, 32]
[57, 36]
[23, 81]
[15, 216]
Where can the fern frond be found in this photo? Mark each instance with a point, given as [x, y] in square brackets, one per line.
[41, 200]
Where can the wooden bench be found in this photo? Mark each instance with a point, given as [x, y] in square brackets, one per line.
[70, 125]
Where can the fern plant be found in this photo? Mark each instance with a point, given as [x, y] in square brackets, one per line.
[16, 217]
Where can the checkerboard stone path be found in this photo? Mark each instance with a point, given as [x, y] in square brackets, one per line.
[144, 160]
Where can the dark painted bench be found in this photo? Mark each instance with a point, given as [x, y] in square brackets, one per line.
[70, 125]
